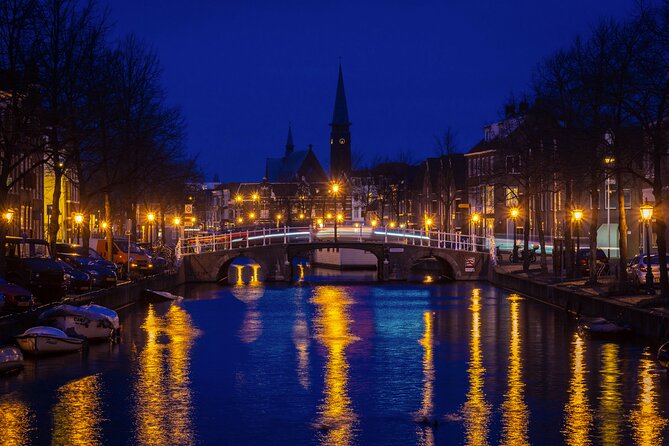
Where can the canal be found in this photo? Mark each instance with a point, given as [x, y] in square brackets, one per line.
[461, 363]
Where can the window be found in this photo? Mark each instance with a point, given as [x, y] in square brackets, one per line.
[489, 204]
[511, 196]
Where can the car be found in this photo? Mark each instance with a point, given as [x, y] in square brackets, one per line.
[30, 265]
[583, 262]
[636, 269]
[14, 297]
[159, 262]
[90, 253]
[100, 276]
[126, 254]
[78, 280]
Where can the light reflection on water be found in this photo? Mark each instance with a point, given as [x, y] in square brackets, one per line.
[419, 365]
[15, 421]
[77, 415]
[578, 416]
[647, 421]
[514, 410]
[476, 410]
[163, 408]
[336, 418]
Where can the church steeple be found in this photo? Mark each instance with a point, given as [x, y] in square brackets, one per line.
[289, 142]
[340, 136]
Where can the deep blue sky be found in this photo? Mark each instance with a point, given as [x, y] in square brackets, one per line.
[242, 70]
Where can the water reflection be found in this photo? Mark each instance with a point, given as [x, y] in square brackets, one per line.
[514, 410]
[476, 410]
[301, 341]
[332, 325]
[250, 294]
[610, 398]
[15, 420]
[578, 419]
[78, 413]
[424, 415]
[163, 395]
[647, 421]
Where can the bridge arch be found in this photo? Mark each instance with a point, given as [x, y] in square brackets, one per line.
[296, 251]
[225, 263]
[441, 265]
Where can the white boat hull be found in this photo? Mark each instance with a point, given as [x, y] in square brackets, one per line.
[75, 325]
[42, 344]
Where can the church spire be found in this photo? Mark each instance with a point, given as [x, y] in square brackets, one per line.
[340, 114]
[289, 142]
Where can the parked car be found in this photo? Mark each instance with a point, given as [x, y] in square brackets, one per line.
[90, 253]
[30, 265]
[124, 253]
[159, 262]
[78, 280]
[14, 297]
[636, 269]
[100, 276]
[583, 262]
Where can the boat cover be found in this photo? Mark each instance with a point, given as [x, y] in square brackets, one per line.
[71, 310]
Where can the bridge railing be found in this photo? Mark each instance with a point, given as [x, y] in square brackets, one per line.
[305, 234]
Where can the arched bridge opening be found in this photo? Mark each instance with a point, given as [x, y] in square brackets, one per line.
[431, 268]
[241, 270]
[335, 262]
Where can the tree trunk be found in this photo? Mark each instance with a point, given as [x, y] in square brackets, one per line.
[162, 224]
[592, 236]
[110, 232]
[622, 233]
[660, 225]
[542, 239]
[54, 224]
[526, 232]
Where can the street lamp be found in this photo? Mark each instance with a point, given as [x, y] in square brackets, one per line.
[78, 219]
[150, 217]
[335, 191]
[609, 160]
[646, 215]
[278, 219]
[514, 215]
[577, 215]
[177, 222]
[8, 216]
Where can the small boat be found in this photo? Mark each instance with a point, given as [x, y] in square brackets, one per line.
[160, 296]
[11, 359]
[599, 327]
[99, 309]
[43, 340]
[80, 321]
[663, 355]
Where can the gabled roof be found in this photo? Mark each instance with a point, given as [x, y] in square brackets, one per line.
[294, 166]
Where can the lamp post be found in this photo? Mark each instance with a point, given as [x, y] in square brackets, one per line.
[177, 222]
[514, 215]
[474, 220]
[78, 219]
[646, 215]
[239, 200]
[335, 191]
[150, 217]
[278, 219]
[608, 162]
[577, 215]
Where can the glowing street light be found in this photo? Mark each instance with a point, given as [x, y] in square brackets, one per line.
[392, 225]
[301, 216]
[647, 215]
[252, 216]
[104, 225]
[78, 219]
[239, 198]
[515, 212]
[375, 223]
[177, 229]
[278, 219]
[8, 216]
[340, 217]
[577, 216]
[240, 220]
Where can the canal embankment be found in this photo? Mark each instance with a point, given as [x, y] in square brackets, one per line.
[642, 313]
[116, 297]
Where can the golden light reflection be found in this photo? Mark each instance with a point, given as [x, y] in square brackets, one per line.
[647, 421]
[15, 420]
[331, 323]
[162, 390]
[240, 271]
[301, 268]
[515, 413]
[425, 433]
[301, 341]
[610, 398]
[250, 294]
[476, 410]
[78, 413]
[578, 418]
[254, 275]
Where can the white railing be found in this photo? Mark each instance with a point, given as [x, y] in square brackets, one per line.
[305, 234]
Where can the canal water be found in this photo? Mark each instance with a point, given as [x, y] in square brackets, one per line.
[462, 363]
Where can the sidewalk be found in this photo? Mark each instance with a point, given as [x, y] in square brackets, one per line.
[644, 313]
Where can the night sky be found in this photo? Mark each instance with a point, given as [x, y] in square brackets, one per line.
[243, 70]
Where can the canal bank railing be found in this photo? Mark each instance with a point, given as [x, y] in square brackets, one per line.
[348, 234]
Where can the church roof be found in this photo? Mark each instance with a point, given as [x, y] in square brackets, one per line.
[340, 114]
[294, 166]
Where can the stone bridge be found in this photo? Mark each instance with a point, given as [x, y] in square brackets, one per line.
[394, 260]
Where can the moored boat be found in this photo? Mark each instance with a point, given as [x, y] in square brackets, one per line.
[160, 296]
[599, 327]
[663, 355]
[43, 340]
[80, 321]
[99, 309]
[11, 359]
